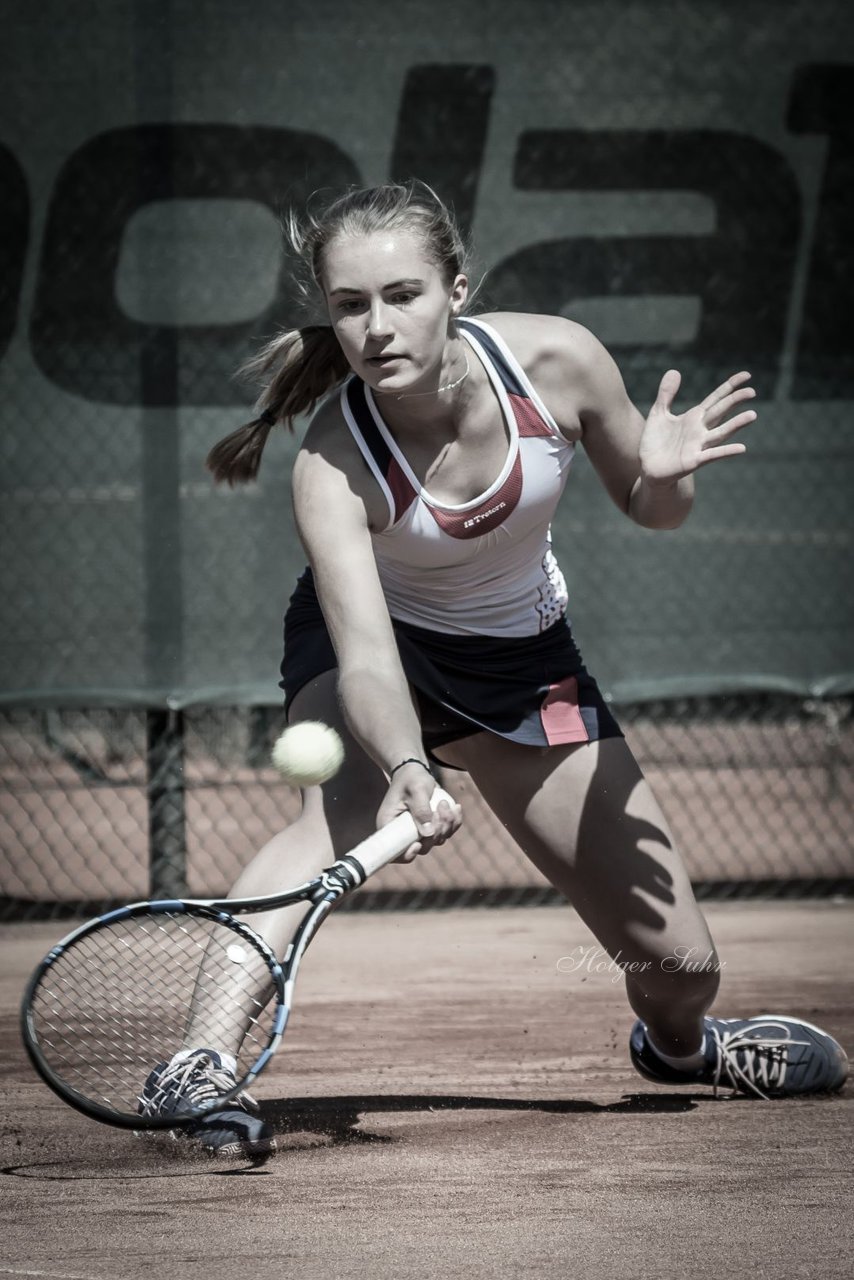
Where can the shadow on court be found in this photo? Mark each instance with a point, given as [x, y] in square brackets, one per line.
[341, 1117]
[332, 1120]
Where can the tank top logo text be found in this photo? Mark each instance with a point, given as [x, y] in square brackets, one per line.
[483, 515]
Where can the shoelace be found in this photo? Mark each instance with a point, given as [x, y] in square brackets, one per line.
[763, 1058]
[198, 1079]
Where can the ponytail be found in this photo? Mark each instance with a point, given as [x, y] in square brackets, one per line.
[298, 367]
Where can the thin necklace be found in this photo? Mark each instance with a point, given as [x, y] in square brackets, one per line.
[449, 386]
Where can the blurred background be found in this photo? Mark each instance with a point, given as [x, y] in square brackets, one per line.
[677, 176]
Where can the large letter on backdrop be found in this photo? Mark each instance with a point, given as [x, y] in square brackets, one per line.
[741, 272]
[14, 233]
[81, 338]
[823, 103]
[441, 132]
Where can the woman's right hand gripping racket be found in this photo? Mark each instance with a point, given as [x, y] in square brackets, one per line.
[109, 1008]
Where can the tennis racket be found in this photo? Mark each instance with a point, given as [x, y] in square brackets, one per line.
[115, 1000]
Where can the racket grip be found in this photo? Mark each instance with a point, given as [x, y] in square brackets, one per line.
[393, 839]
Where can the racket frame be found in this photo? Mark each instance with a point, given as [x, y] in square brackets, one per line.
[169, 907]
[322, 892]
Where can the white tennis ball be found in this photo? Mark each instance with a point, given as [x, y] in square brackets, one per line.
[308, 753]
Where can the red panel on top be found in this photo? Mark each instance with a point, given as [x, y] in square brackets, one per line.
[402, 491]
[528, 419]
[488, 514]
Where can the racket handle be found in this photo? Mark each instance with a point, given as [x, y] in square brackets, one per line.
[393, 839]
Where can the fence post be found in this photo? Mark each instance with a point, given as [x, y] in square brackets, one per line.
[167, 845]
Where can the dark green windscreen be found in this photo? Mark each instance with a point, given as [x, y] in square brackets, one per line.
[677, 176]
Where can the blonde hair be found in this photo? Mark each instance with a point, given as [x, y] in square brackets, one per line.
[299, 366]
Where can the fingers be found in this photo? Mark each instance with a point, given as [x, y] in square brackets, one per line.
[448, 818]
[420, 808]
[436, 817]
[723, 451]
[733, 382]
[717, 434]
[667, 389]
[723, 400]
[435, 825]
[716, 413]
[716, 406]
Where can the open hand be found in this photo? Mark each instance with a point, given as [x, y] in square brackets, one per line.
[676, 445]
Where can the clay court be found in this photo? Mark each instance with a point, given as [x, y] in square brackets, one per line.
[454, 1098]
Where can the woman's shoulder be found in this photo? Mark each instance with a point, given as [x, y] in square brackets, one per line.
[561, 358]
[538, 340]
[328, 437]
[327, 417]
[330, 460]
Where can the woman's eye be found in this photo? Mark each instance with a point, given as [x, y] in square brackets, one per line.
[403, 298]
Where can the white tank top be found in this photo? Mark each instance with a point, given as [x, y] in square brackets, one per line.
[483, 567]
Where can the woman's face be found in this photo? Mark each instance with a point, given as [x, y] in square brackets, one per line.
[390, 307]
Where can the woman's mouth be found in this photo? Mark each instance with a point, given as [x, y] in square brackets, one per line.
[379, 362]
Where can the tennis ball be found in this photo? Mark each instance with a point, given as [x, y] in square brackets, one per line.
[308, 753]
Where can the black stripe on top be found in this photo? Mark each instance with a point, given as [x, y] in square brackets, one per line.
[371, 434]
[506, 373]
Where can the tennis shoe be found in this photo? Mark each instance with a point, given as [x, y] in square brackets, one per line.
[196, 1077]
[769, 1056]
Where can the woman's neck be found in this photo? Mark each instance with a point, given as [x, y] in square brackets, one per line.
[414, 412]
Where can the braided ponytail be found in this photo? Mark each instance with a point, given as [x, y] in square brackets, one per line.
[298, 367]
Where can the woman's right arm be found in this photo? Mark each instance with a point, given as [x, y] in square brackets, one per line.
[332, 499]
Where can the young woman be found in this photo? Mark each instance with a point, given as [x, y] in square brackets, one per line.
[431, 624]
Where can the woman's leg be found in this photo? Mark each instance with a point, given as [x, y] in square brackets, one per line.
[334, 818]
[586, 817]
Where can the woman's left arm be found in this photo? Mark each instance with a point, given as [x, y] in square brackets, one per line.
[648, 466]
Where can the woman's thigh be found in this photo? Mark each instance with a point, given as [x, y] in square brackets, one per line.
[587, 818]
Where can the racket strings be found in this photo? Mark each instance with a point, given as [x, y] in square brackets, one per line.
[125, 998]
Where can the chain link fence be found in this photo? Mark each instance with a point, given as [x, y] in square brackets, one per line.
[104, 806]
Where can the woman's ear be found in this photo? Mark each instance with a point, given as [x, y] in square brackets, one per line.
[459, 294]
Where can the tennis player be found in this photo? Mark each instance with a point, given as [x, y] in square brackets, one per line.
[431, 626]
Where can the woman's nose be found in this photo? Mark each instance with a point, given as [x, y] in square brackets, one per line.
[378, 320]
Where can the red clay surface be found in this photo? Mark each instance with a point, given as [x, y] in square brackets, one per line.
[450, 1103]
